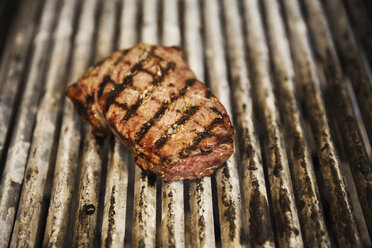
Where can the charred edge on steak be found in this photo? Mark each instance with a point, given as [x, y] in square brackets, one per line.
[181, 121]
[201, 135]
[81, 109]
[162, 110]
[208, 94]
[125, 51]
[147, 92]
[128, 80]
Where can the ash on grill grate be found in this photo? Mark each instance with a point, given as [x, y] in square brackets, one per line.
[301, 174]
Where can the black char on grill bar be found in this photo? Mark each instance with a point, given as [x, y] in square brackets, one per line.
[151, 100]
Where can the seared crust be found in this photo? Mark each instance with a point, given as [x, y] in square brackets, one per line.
[152, 101]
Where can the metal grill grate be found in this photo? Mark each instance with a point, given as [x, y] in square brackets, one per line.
[294, 75]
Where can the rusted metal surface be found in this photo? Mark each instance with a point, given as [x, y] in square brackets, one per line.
[144, 214]
[357, 155]
[66, 166]
[306, 190]
[15, 163]
[172, 221]
[342, 213]
[200, 192]
[284, 208]
[256, 200]
[26, 229]
[228, 190]
[350, 56]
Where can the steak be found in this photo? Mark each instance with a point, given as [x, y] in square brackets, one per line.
[152, 101]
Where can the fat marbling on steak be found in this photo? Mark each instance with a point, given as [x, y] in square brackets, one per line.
[151, 100]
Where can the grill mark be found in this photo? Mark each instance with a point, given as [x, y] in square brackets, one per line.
[121, 105]
[189, 83]
[89, 99]
[128, 80]
[155, 83]
[81, 109]
[102, 85]
[208, 94]
[214, 109]
[146, 127]
[124, 51]
[201, 135]
[225, 139]
[99, 62]
[179, 123]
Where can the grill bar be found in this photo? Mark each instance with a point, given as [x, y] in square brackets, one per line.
[26, 229]
[355, 149]
[256, 200]
[228, 190]
[86, 226]
[283, 202]
[351, 57]
[11, 181]
[14, 62]
[200, 193]
[342, 215]
[144, 219]
[310, 211]
[358, 14]
[240, 48]
[66, 167]
[114, 217]
[172, 223]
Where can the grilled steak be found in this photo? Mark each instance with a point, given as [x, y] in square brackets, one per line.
[152, 101]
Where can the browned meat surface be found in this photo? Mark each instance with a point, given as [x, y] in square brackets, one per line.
[152, 101]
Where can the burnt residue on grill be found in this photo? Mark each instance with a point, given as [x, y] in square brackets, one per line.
[336, 189]
[199, 189]
[305, 187]
[346, 119]
[111, 219]
[230, 212]
[352, 59]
